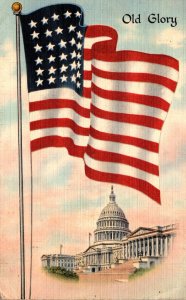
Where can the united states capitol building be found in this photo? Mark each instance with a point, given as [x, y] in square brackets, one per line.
[114, 243]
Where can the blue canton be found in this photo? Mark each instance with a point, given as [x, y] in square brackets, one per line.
[54, 40]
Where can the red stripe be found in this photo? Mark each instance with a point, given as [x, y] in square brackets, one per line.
[150, 146]
[131, 97]
[87, 92]
[59, 103]
[122, 159]
[138, 184]
[64, 122]
[128, 118]
[57, 141]
[94, 31]
[139, 77]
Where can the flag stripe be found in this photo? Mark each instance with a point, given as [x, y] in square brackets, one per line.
[138, 77]
[57, 141]
[152, 101]
[64, 122]
[120, 169]
[118, 138]
[123, 159]
[128, 118]
[59, 103]
[136, 183]
[125, 149]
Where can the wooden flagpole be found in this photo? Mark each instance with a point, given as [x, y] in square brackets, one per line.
[17, 7]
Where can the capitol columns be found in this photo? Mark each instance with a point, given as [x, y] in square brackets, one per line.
[148, 247]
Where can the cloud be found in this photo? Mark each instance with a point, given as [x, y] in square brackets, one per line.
[171, 37]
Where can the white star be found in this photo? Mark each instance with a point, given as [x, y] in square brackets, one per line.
[78, 14]
[63, 68]
[63, 78]
[32, 24]
[44, 21]
[55, 17]
[79, 45]
[62, 44]
[35, 35]
[73, 65]
[79, 35]
[38, 48]
[51, 58]
[39, 81]
[50, 46]
[73, 54]
[72, 42]
[59, 30]
[48, 33]
[52, 70]
[78, 65]
[51, 79]
[63, 56]
[67, 14]
[78, 55]
[71, 28]
[78, 84]
[38, 61]
[73, 78]
[78, 74]
[39, 71]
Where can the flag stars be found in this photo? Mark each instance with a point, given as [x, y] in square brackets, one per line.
[73, 65]
[39, 81]
[79, 35]
[55, 17]
[78, 84]
[78, 74]
[73, 78]
[72, 42]
[63, 56]
[51, 80]
[44, 21]
[38, 48]
[38, 61]
[32, 24]
[39, 71]
[78, 14]
[52, 70]
[79, 46]
[73, 54]
[63, 78]
[48, 33]
[63, 68]
[50, 46]
[67, 14]
[71, 28]
[51, 58]
[35, 35]
[78, 65]
[78, 55]
[62, 44]
[59, 30]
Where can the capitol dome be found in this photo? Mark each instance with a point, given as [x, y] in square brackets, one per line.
[112, 224]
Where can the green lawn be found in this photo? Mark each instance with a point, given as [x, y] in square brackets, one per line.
[62, 272]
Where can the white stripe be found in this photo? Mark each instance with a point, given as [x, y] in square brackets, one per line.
[79, 140]
[60, 114]
[137, 67]
[88, 42]
[125, 149]
[115, 168]
[121, 128]
[127, 107]
[141, 88]
[59, 93]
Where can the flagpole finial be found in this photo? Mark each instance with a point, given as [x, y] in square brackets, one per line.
[17, 8]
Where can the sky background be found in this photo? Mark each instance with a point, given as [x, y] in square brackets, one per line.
[66, 203]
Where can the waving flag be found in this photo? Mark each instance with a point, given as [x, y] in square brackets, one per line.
[105, 106]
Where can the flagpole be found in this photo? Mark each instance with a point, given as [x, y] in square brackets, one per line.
[17, 7]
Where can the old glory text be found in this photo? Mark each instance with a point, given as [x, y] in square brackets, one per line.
[152, 18]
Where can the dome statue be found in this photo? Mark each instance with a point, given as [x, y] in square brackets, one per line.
[112, 224]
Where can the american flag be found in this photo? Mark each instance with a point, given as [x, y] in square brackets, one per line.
[105, 106]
